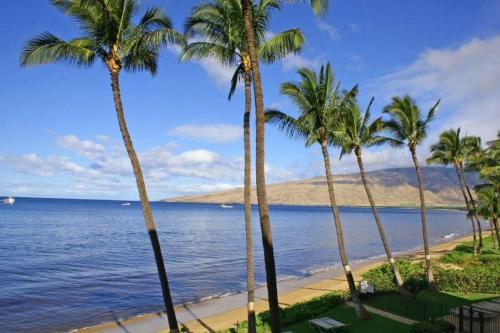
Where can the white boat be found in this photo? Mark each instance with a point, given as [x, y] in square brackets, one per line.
[226, 206]
[9, 201]
[126, 204]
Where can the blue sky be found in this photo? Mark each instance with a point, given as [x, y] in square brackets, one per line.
[58, 131]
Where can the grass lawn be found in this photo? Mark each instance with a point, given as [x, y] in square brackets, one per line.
[426, 305]
[346, 315]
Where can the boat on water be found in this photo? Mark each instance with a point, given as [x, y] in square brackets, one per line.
[226, 206]
[126, 204]
[9, 201]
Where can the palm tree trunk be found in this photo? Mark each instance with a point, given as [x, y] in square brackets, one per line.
[473, 203]
[430, 275]
[146, 208]
[494, 219]
[395, 270]
[361, 312]
[265, 224]
[492, 231]
[467, 204]
[248, 204]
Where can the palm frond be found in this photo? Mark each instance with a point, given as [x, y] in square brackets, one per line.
[291, 126]
[239, 73]
[281, 45]
[47, 48]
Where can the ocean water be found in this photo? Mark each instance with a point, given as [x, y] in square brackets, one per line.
[66, 264]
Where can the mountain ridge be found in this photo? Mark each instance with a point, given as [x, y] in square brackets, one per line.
[396, 187]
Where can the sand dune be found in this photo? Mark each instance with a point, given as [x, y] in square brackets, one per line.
[390, 187]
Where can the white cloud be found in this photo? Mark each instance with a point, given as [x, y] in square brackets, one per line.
[85, 148]
[221, 74]
[464, 77]
[219, 133]
[354, 27]
[296, 61]
[330, 29]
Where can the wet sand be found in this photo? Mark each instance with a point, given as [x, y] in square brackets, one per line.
[221, 313]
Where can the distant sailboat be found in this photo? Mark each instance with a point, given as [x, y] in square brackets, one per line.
[226, 206]
[9, 201]
[126, 204]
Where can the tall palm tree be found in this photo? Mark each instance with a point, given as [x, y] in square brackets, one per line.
[452, 148]
[220, 25]
[320, 106]
[408, 128]
[355, 133]
[108, 34]
[488, 206]
[319, 6]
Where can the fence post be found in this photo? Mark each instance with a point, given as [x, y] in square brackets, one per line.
[461, 319]
[481, 322]
[471, 320]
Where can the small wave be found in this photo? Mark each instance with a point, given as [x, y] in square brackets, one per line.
[449, 235]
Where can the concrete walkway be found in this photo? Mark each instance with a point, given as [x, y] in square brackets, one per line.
[387, 315]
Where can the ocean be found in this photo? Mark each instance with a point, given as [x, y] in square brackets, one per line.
[66, 264]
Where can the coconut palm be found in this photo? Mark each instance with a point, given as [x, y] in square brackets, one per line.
[488, 206]
[355, 133]
[452, 149]
[320, 104]
[220, 25]
[109, 35]
[408, 128]
[318, 6]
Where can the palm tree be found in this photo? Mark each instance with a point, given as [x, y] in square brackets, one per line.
[108, 34]
[320, 105]
[488, 206]
[408, 127]
[220, 25]
[452, 149]
[355, 133]
[319, 6]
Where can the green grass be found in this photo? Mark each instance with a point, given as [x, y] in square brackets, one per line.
[426, 305]
[346, 315]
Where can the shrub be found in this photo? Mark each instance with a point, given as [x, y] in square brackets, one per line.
[436, 326]
[309, 309]
[474, 278]
[296, 312]
[382, 277]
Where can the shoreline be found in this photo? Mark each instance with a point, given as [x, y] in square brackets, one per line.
[222, 312]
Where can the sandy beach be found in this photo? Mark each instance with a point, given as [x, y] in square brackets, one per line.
[220, 313]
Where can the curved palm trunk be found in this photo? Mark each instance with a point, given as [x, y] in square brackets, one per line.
[467, 204]
[361, 312]
[265, 224]
[395, 270]
[247, 192]
[473, 203]
[146, 208]
[430, 275]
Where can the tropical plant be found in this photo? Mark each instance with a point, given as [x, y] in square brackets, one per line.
[109, 35]
[320, 105]
[318, 6]
[452, 148]
[407, 127]
[356, 131]
[220, 25]
[488, 206]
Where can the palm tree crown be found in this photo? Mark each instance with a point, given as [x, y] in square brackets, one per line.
[452, 148]
[319, 101]
[107, 34]
[221, 27]
[356, 129]
[407, 124]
